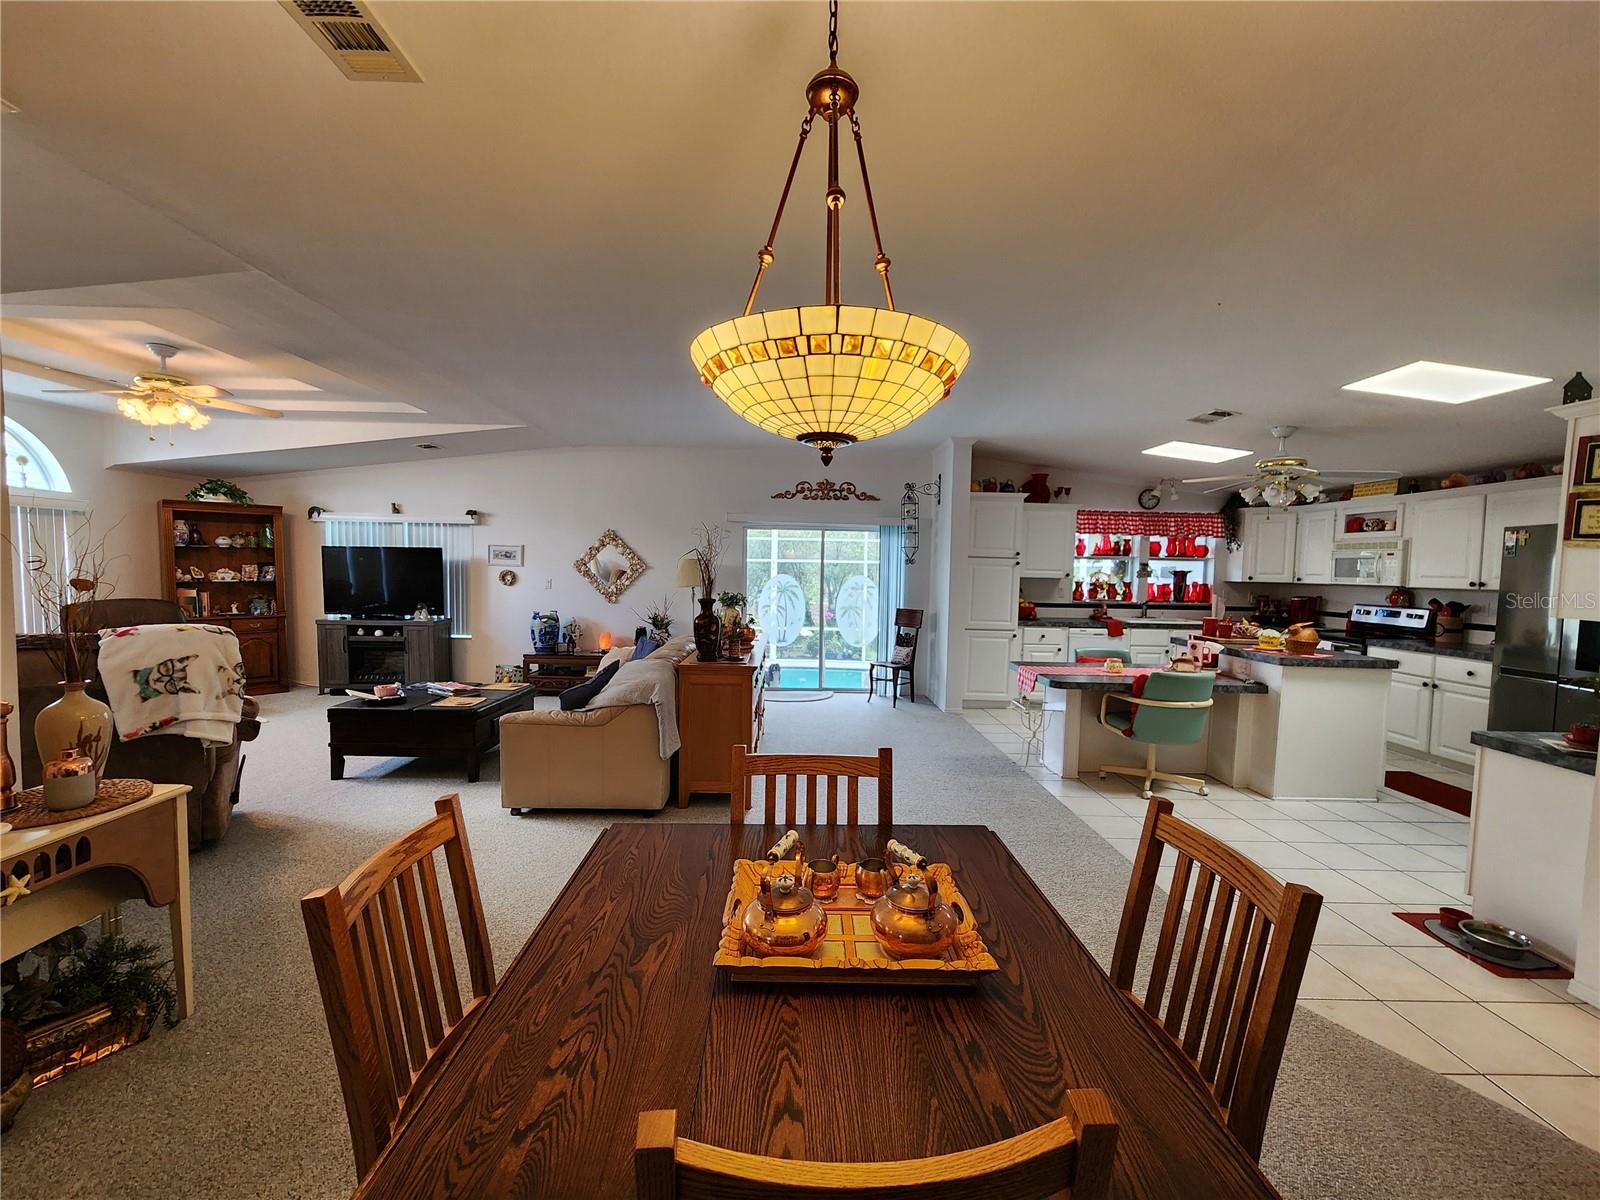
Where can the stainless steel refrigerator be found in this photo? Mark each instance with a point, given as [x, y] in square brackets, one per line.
[1537, 656]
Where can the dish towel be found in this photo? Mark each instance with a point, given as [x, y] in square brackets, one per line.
[1114, 627]
[180, 679]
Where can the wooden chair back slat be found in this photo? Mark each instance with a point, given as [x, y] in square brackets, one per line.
[381, 947]
[1232, 994]
[791, 768]
[444, 961]
[1071, 1156]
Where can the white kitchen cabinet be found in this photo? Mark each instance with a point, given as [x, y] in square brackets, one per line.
[988, 665]
[994, 528]
[1410, 721]
[1313, 545]
[1077, 639]
[1149, 656]
[1446, 537]
[1533, 506]
[1048, 533]
[1458, 709]
[991, 586]
[1266, 553]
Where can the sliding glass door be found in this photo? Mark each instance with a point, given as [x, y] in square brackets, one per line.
[815, 596]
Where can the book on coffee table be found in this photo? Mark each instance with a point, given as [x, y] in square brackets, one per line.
[458, 702]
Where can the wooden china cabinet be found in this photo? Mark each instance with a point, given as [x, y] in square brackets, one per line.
[227, 564]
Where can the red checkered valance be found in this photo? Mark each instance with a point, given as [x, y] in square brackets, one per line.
[1153, 524]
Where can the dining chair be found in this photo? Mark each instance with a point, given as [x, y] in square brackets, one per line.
[902, 660]
[382, 951]
[791, 768]
[1070, 1156]
[1099, 654]
[1168, 709]
[1241, 952]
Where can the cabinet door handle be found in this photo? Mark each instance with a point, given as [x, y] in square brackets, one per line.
[1471, 674]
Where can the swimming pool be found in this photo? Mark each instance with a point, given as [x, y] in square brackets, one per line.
[839, 678]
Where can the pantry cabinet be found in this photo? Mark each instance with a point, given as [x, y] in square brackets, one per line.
[1048, 534]
[1446, 537]
[988, 664]
[992, 586]
[994, 527]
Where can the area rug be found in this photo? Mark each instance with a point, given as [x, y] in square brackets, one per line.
[1430, 791]
[242, 1101]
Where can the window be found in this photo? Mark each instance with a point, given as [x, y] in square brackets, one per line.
[453, 537]
[30, 467]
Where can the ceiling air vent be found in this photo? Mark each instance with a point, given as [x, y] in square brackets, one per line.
[1212, 417]
[352, 37]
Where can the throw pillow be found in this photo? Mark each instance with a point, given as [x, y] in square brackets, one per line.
[645, 647]
[580, 695]
[901, 656]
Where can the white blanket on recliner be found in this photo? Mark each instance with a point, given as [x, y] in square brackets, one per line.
[183, 679]
[652, 681]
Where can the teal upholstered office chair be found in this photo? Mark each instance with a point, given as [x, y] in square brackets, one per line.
[1100, 654]
[1170, 712]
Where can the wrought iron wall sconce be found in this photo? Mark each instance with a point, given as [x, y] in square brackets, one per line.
[910, 521]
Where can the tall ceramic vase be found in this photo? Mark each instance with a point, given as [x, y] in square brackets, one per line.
[707, 631]
[77, 721]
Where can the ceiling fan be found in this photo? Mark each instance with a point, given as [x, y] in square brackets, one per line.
[1284, 479]
[161, 398]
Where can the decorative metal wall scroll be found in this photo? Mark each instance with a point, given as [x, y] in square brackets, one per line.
[824, 489]
[910, 522]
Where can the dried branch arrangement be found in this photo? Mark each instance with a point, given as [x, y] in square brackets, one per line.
[710, 543]
[81, 580]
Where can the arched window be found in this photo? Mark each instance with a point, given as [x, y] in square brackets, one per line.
[29, 464]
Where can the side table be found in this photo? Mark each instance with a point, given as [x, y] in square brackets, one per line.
[553, 674]
[83, 869]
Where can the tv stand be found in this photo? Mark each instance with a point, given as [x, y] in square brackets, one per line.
[360, 653]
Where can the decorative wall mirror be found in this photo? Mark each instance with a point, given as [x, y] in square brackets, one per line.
[611, 565]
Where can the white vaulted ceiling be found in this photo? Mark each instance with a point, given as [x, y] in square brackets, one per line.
[1133, 212]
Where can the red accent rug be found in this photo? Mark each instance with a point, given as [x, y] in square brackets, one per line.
[1454, 916]
[1430, 791]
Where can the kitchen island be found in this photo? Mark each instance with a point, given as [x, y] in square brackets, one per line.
[1533, 861]
[1319, 732]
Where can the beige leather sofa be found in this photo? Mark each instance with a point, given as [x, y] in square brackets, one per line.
[603, 758]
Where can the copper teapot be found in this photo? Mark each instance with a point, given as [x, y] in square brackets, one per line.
[785, 918]
[911, 919]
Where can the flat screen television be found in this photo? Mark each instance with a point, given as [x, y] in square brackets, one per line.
[382, 581]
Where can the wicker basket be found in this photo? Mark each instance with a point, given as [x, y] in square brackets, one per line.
[78, 1039]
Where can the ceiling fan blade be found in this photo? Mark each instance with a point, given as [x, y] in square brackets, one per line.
[74, 380]
[202, 391]
[1213, 478]
[1364, 474]
[83, 391]
[1226, 487]
[238, 406]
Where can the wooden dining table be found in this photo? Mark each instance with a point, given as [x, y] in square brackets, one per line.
[613, 1008]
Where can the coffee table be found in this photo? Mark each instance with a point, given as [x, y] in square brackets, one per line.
[420, 728]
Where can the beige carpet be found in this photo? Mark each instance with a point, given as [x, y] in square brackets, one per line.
[242, 1100]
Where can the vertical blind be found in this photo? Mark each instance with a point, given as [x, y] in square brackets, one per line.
[48, 532]
[891, 582]
[453, 538]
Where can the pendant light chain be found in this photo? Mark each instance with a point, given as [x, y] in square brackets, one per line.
[833, 33]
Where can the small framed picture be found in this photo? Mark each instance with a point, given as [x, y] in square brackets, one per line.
[1583, 519]
[1586, 464]
[249, 572]
[269, 572]
[505, 556]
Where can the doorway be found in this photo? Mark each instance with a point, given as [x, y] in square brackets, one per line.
[815, 593]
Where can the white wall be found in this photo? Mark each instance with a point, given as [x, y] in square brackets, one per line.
[557, 502]
[123, 502]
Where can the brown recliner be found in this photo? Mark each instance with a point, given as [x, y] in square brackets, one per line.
[212, 773]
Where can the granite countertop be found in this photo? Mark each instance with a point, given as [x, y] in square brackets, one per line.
[1337, 659]
[1533, 746]
[1480, 653]
[1090, 681]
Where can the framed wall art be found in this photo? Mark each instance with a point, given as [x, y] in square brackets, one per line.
[505, 556]
[610, 565]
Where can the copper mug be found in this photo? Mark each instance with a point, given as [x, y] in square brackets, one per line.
[873, 878]
[822, 877]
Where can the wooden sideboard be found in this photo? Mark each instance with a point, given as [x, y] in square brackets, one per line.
[720, 705]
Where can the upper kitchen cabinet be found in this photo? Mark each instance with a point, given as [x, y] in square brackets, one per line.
[1048, 533]
[1539, 505]
[1313, 545]
[995, 525]
[991, 587]
[1267, 552]
[1446, 537]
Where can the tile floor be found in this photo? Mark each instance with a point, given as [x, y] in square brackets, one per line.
[1525, 1043]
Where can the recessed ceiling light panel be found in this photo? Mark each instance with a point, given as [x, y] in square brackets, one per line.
[1443, 382]
[1195, 452]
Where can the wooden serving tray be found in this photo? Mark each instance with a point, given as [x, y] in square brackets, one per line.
[850, 953]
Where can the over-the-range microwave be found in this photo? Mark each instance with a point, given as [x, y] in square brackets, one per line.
[1381, 564]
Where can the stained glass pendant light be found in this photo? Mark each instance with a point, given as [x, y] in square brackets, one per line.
[829, 374]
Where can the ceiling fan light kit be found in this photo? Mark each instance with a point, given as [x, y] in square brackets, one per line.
[1282, 480]
[831, 374]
